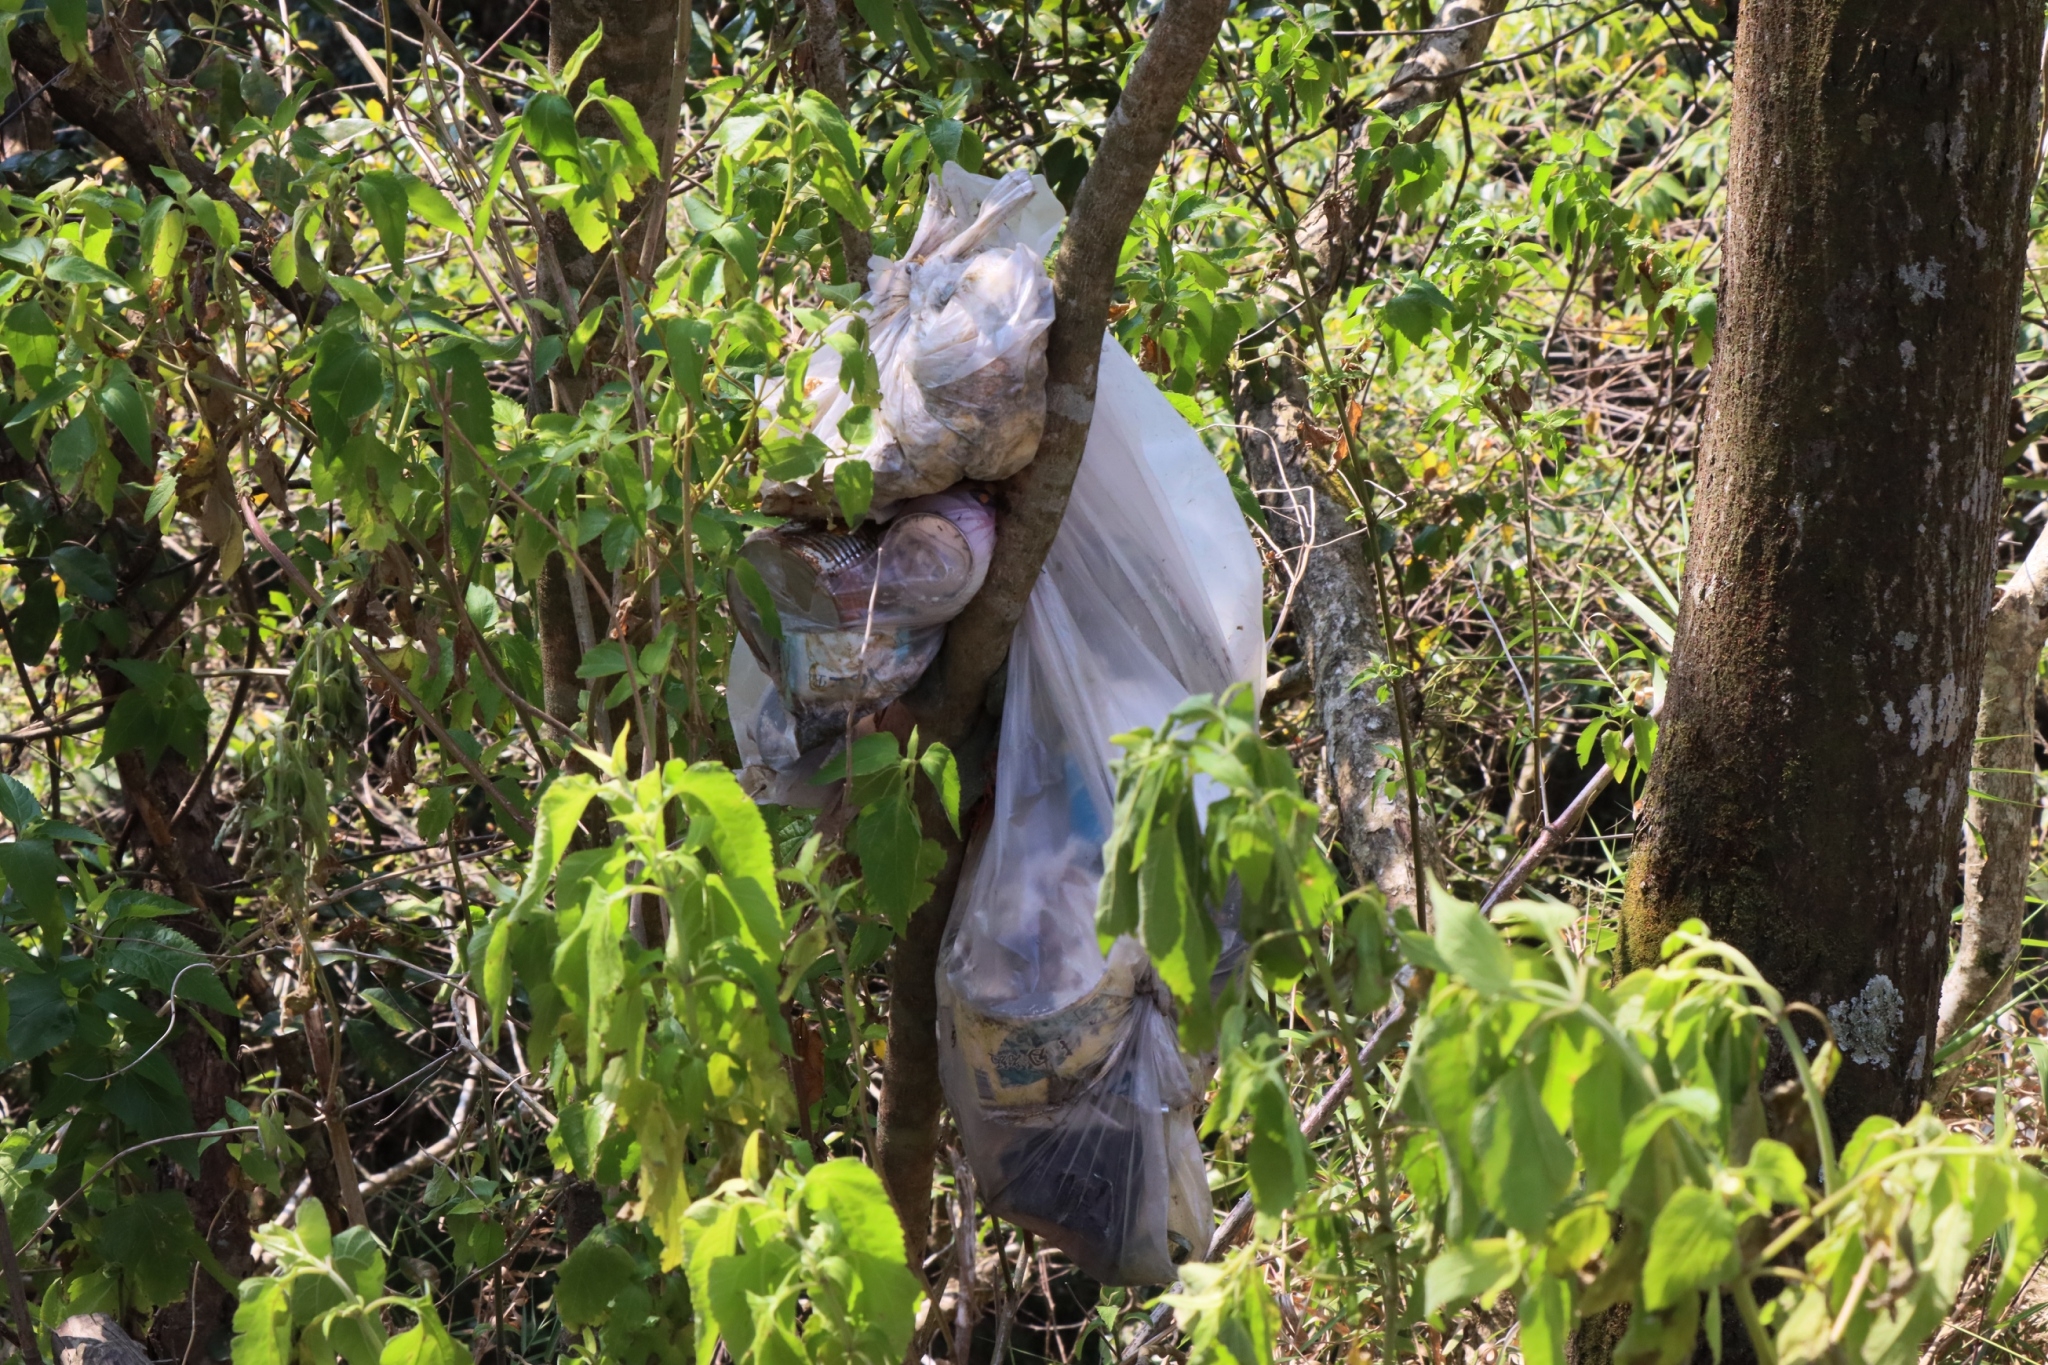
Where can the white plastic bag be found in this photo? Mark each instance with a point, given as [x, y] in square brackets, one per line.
[957, 329]
[858, 616]
[1061, 1064]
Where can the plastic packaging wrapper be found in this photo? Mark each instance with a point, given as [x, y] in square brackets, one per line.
[859, 617]
[957, 329]
[1061, 1063]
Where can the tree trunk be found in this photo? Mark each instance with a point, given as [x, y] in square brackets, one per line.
[641, 59]
[1807, 792]
[1998, 828]
[1333, 616]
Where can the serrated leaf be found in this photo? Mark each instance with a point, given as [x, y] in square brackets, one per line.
[18, 804]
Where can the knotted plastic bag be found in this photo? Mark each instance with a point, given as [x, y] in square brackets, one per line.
[957, 329]
[841, 623]
[1061, 1063]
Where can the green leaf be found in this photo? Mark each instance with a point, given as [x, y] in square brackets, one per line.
[881, 17]
[30, 866]
[152, 1239]
[85, 573]
[920, 40]
[1545, 1310]
[431, 206]
[755, 589]
[263, 1323]
[69, 269]
[1525, 1165]
[1471, 947]
[18, 804]
[347, 381]
[1417, 310]
[384, 197]
[824, 116]
[849, 1197]
[167, 960]
[394, 1008]
[73, 448]
[39, 1017]
[607, 659]
[1777, 1174]
[1692, 1247]
[853, 487]
[426, 1344]
[550, 126]
[31, 340]
[639, 147]
[125, 408]
[1465, 1271]
[589, 1280]
[896, 859]
[71, 21]
[942, 770]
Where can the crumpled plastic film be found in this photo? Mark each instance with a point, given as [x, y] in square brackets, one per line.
[957, 329]
[1061, 1063]
[858, 616]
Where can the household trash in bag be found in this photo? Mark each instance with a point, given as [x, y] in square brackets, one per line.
[1062, 1063]
[858, 615]
[957, 329]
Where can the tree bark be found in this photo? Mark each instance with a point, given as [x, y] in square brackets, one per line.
[1807, 791]
[948, 704]
[1334, 618]
[1998, 826]
[641, 60]
[828, 78]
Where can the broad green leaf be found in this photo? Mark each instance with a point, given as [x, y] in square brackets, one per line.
[1525, 1165]
[31, 340]
[78, 270]
[1692, 1247]
[1776, 1173]
[384, 196]
[152, 1238]
[426, 1344]
[1471, 947]
[853, 487]
[824, 116]
[848, 1196]
[18, 804]
[85, 573]
[1545, 1310]
[589, 1280]
[263, 1323]
[30, 867]
[1464, 1271]
[39, 1017]
[891, 849]
[550, 126]
[167, 960]
[129, 413]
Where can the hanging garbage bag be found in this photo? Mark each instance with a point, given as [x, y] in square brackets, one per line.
[1061, 1063]
[957, 329]
[845, 622]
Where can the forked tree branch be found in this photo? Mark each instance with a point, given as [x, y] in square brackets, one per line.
[947, 704]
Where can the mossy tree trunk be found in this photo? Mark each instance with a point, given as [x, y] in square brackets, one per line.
[1806, 796]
